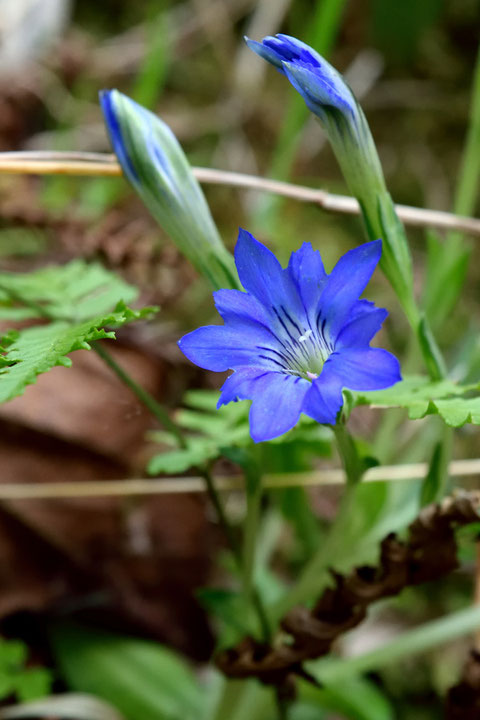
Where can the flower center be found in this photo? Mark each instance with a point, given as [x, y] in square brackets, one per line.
[301, 353]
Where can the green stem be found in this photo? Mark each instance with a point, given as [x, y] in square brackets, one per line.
[420, 640]
[239, 557]
[155, 408]
[232, 692]
[250, 539]
[351, 461]
[222, 517]
[162, 416]
[282, 707]
[467, 187]
[315, 574]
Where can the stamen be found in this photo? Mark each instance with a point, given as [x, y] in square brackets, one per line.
[304, 337]
[311, 376]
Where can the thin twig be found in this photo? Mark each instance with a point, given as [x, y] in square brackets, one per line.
[99, 164]
[175, 485]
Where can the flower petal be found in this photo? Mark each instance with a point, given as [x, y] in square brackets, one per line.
[361, 307]
[317, 88]
[236, 304]
[361, 329]
[346, 283]
[265, 52]
[324, 399]
[258, 268]
[107, 103]
[240, 385]
[222, 347]
[262, 275]
[366, 369]
[307, 271]
[301, 51]
[277, 404]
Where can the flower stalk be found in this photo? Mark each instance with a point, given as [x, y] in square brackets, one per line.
[351, 461]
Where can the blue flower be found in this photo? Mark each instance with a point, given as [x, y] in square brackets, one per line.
[296, 337]
[316, 80]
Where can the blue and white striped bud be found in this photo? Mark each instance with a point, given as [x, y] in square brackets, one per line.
[156, 166]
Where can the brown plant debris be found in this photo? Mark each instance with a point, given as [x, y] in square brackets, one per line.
[463, 699]
[429, 553]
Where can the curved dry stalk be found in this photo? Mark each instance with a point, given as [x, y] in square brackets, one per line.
[174, 485]
[102, 164]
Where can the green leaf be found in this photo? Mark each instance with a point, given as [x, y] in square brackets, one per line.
[26, 683]
[35, 350]
[446, 271]
[229, 422]
[354, 699]
[76, 291]
[33, 683]
[196, 453]
[232, 610]
[141, 678]
[79, 300]
[13, 654]
[215, 430]
[405, 645]
[421, 397]
[433, 484]
[22, 241]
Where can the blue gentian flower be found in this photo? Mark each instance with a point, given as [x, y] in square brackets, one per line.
[320, 85]
[296, 337]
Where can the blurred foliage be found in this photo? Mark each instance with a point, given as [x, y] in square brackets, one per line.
[136, 676]
[16, 678]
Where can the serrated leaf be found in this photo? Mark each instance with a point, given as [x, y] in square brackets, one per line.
[178, 461]
[76, 291]
[201, 399]
[229, 422]
[35, 350]
[420, 397]
[214, 429]
[78, 299]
